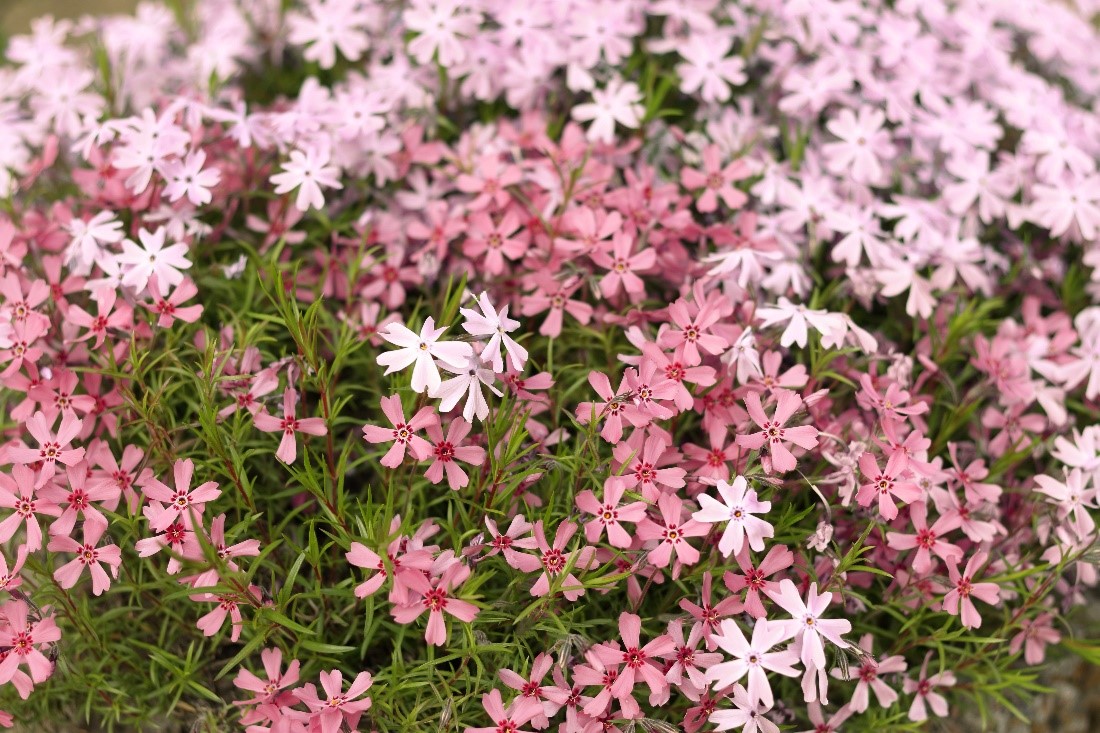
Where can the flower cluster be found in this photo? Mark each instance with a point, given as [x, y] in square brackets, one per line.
[749, 338]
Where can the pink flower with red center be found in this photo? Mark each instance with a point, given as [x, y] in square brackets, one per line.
[267, 692]
[88, 555]
[288, 425]
[248, 397]
[867, 676]
[531, 690]
[490, 181]
[228, 607]
[437, 598]
[671, 534]
[707, 614]
[608, 515]
[754, 578]
[927, 540]
[623, 265]
[553, 561]
[924, 691]
[169, 308]
[679, 373]
[495, 240]
[648, 389]
[20, 345]
[688, 663]
[690, 334]
[402, 434]
[712, 463]
[773, 432]
[1034, 636]
[509, 542]
[79, 499]
[638, 663]
[716, 180]
[181, 501]
[17, 493]
[338, 706]
[555, 297]
[644, 467]
[52, 448]
[505, 720]
[886, 484]
[224, 551]
[447, 451]
[22, 639]
[610, 411]
[958, 601]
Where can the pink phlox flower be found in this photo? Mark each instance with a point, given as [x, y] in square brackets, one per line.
[1035, 634]
[495, 241]
[618, 102]
[181, 501]
[716, 180]
[289, 424]
[958, 599]
[90, 555]
[611, 411]
[868, 677]
[1071, 497]
[224, 551]
[168, 309]
[771, 380]
[644, 467]
[53, 448]
[712, 464]
[338, 706]
[689, 663]
[753, 579]
[707, 613]
[248, 396]
[511, 719]
[490, 181]
[186, 177]
[924, 694]
[554, 559]
[108, 316]
[970, 478]
[773, 433]
[556, 297]
[468, 382]
[403, 434]
[623, 265]
[887, 484]
[668, 538]
[532, 694]
[927, 540]
[152, 257]
[17, 493]
[891, 405]
[639, 663]
[863, 146]
[649, 388]
[746, 715]
[272, 691]
[609, 514]
[79, 499]
[22, 638]
[737, 509]
[447, 451]
[436, 596]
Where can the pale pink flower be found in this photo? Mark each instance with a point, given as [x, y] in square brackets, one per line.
[289, 424]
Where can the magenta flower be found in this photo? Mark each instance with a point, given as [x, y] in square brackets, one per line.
[89, 556]
[737, 508]
[958, 601]
[447, 451]
[338, 706]
[289, 424]
[608, 514]
[774, 434]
